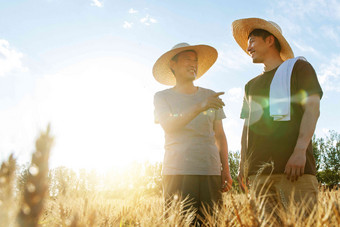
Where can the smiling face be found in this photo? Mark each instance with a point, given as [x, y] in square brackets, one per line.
[258, 48]
[184, 66]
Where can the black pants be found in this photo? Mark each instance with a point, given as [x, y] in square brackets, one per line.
[200, 189]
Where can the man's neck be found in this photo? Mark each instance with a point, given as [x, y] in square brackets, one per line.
[272, 63]
[185, 88]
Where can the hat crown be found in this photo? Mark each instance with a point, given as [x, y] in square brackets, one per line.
[180, 45]
[276, 26]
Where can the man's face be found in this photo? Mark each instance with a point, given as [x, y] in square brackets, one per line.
[257, 48]
[185, 67]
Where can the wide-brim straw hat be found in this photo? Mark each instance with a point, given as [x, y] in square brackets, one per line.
[206, 56]
[243, 27]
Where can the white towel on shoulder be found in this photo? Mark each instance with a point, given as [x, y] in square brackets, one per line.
[279, 95]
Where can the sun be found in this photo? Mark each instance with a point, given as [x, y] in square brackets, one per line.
[101, 112]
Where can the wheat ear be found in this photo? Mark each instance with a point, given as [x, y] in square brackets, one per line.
[7, 172]
[36, 185]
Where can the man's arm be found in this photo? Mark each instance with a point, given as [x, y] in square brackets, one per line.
[295, 166]
[222, 145]
[175, 122]
[241, 174]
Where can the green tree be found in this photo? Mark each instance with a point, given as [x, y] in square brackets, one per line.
[234, 162]
[327, 156]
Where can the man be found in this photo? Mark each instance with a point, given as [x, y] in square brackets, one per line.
[196, 153]
[284, 141]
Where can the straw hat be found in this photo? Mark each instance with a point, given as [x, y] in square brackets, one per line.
[243, 27]
[206, 56]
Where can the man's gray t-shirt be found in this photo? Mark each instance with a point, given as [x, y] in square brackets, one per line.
[190, 150]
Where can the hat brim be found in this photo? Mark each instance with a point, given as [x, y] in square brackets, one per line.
[206, 56]
[243, 27]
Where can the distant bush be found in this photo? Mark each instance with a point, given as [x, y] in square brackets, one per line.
[327, 156]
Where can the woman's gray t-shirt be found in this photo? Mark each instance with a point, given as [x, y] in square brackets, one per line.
[190, 150]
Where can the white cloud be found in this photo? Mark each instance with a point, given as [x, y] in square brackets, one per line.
[325, 130]
[329, 32]
[133, 11]
[300, 8]
[329, 75]
[147, 20]
[304, 48]
[233, 129]
[321, 132]
[10, 59]
[152, 20]
[332, 8]
[233, 124]
[127, 25]
[97, 3]
[235, 94]
[230, 57]
[305, 8]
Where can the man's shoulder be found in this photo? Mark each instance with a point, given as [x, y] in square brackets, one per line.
[302, 65]
[252, 80]
[207, 90]
[164, 92]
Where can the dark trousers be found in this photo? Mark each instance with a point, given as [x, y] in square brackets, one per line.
[198, 189]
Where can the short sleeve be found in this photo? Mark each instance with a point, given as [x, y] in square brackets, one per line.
[219, 114]
[306, 79]
[245, 105]
[162, 109]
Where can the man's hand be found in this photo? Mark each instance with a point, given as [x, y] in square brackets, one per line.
[227, 181]
[213, 101]
[295, 166]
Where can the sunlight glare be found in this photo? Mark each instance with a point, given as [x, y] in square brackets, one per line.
[102, 113]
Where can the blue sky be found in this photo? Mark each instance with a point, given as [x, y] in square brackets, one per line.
[86, 67]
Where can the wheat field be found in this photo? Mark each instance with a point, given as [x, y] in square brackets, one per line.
[31, 201]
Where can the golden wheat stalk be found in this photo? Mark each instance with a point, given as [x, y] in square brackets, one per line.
[36, 186]
[7, 171]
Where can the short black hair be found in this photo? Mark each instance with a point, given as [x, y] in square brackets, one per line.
[264, 34]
